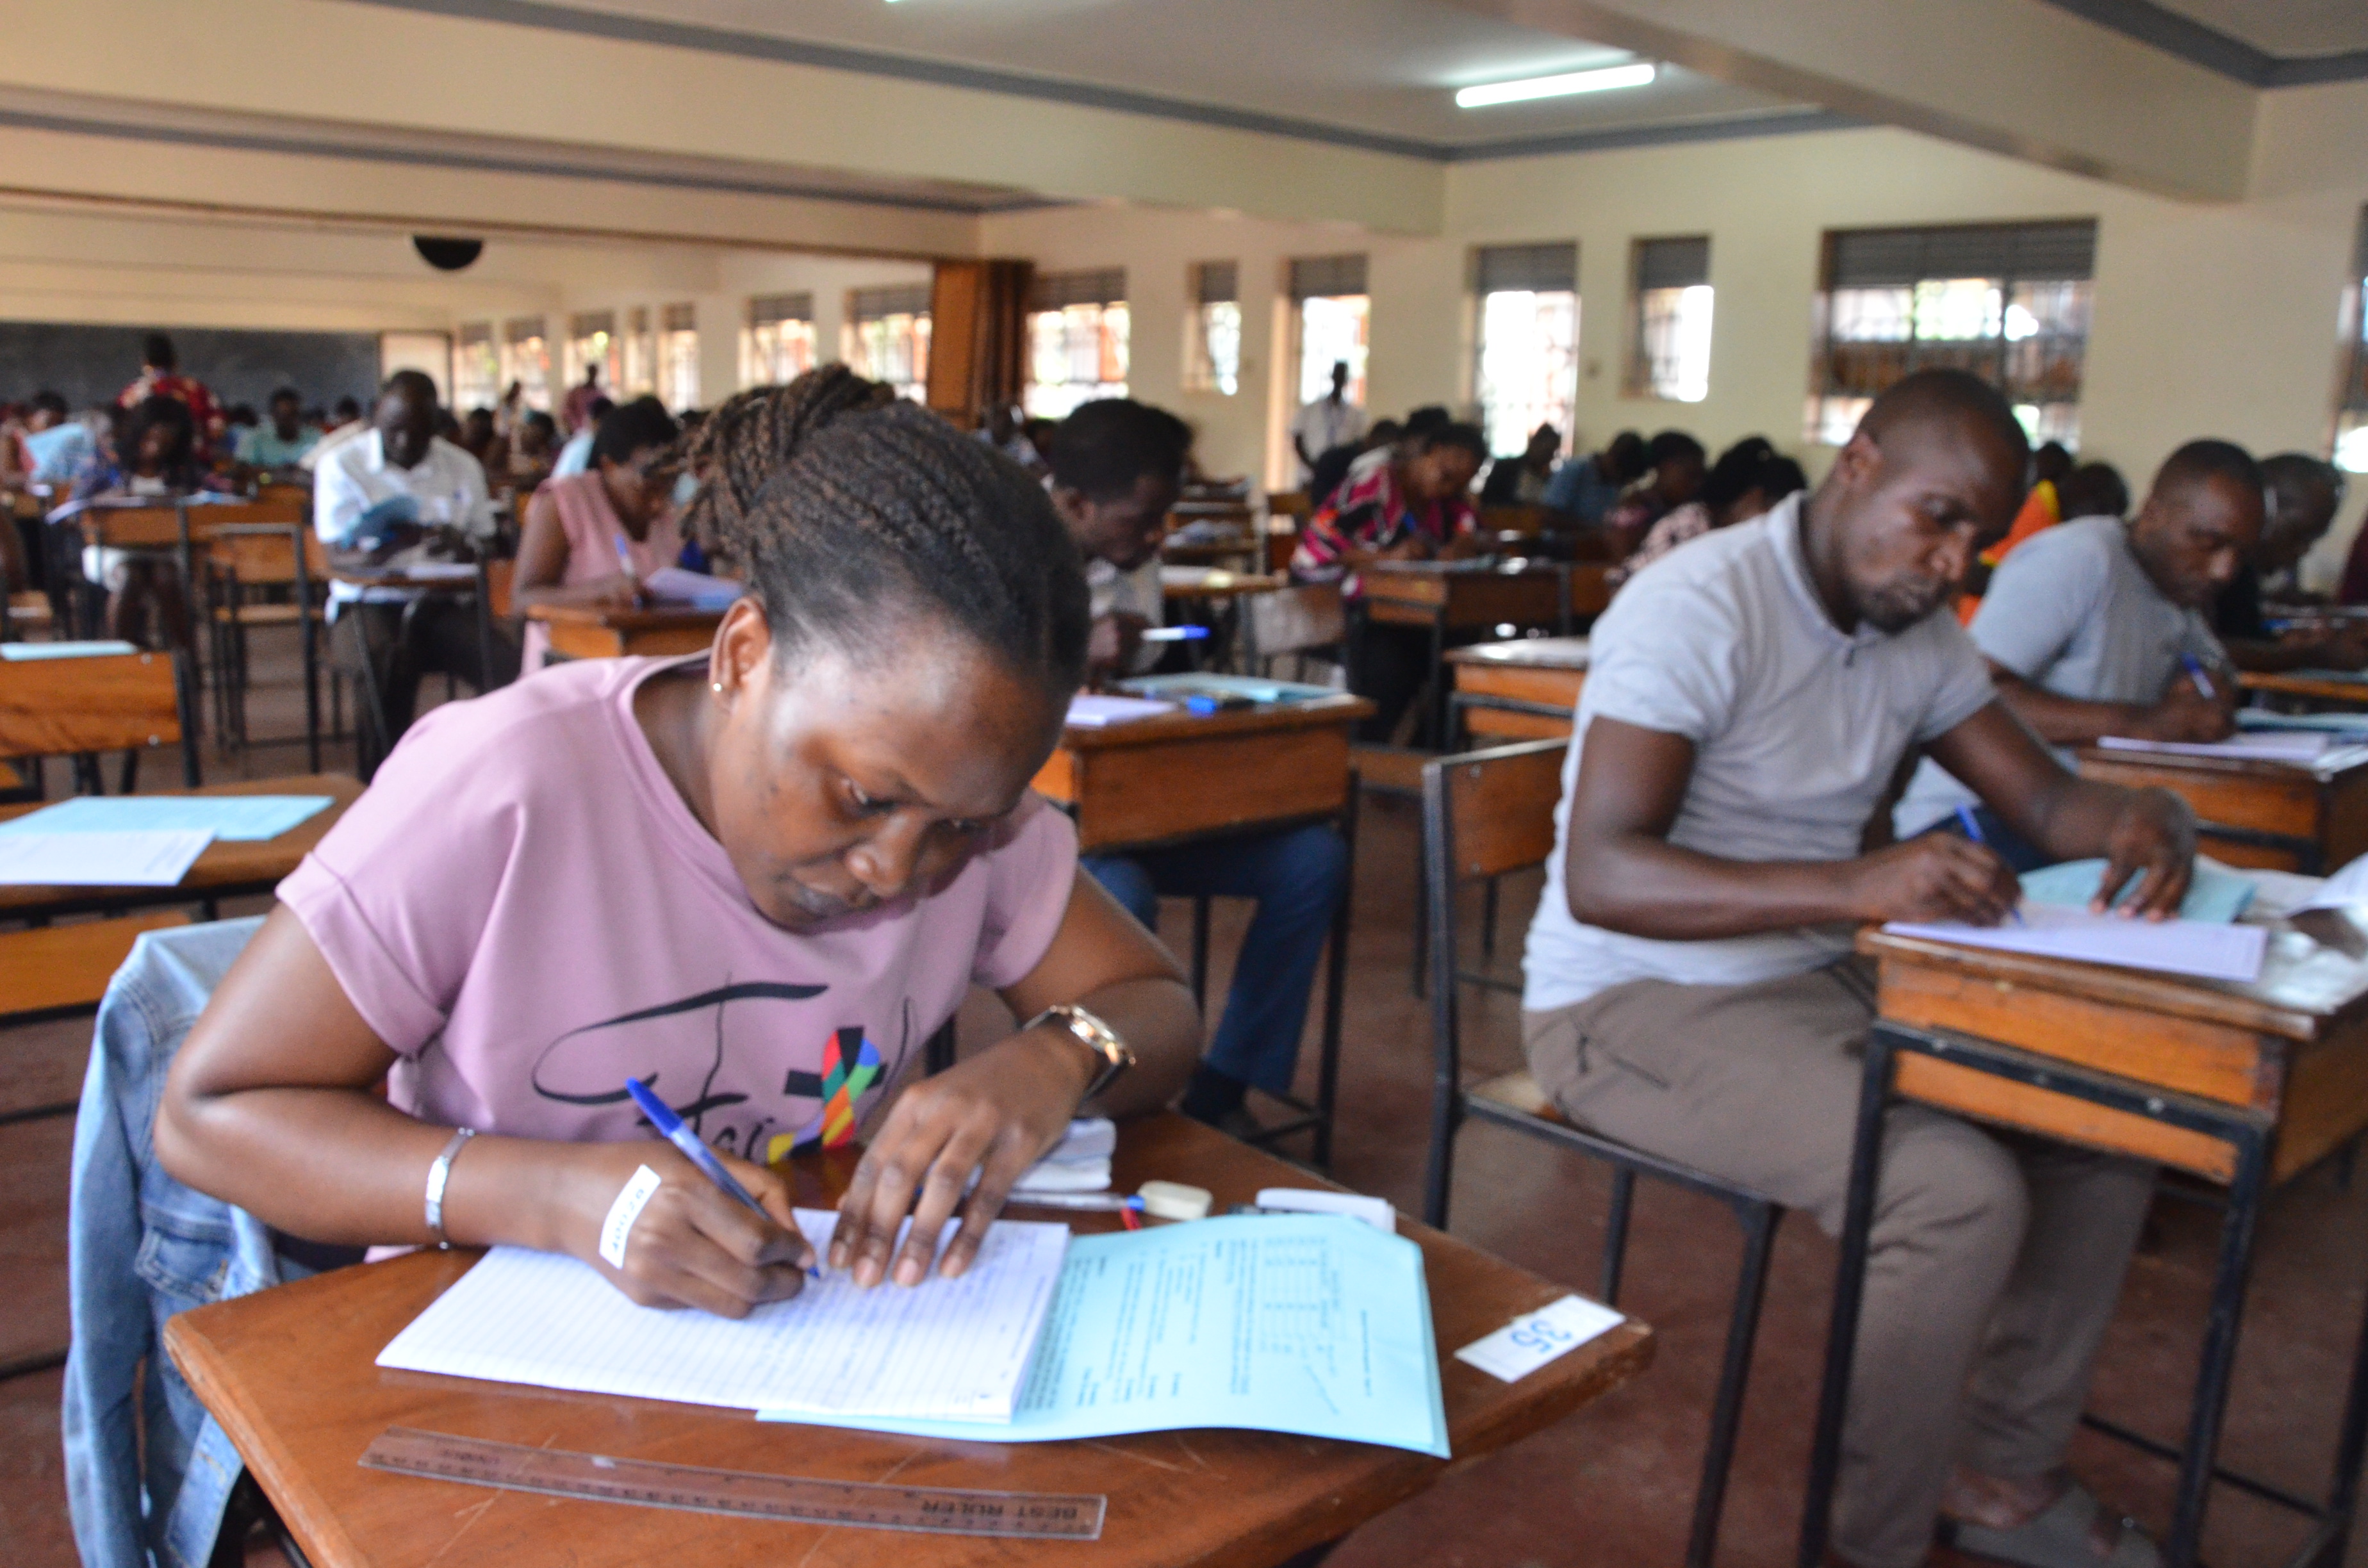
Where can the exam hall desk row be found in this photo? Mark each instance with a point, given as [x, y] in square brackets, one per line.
[2242, 1085]
[2290, 816]
[289, 1374]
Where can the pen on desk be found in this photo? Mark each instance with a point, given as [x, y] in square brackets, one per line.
[1175, 633]
[2204, 687]
[1972, 827]
[672, 1129]
[1129, 1209]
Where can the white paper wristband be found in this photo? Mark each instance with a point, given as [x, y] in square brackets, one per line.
[631, 1199]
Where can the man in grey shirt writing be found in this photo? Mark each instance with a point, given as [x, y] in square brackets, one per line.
[1690, 988]
[2094, 628]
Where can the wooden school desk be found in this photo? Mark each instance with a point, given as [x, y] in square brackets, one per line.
[1524, 689]
[2310, 818]
[1448, 597]
[601, 631]
[1214, 583]
[289, 1374]
[2332, 687]
[226, 869]
[1151, 783]
[2240, 1085]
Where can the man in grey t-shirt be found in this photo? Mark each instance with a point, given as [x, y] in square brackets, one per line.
[2091, 627]
[1690, 988]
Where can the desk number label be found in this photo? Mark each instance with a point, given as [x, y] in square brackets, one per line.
[1527, 1343]
[631, 1199]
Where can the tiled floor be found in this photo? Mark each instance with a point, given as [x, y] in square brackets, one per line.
[1612, 1485]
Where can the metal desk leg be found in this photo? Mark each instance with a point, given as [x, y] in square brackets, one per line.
[371, 750]
[2343, 1496]
[2195, 1466]
[1327, 1081]
[1849, 1289]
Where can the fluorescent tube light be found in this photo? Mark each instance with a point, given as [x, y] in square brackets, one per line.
[1601, 80]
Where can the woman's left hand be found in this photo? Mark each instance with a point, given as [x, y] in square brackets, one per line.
[996, 1114]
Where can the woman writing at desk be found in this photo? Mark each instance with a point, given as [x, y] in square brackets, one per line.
[594, 538]
[719, 875]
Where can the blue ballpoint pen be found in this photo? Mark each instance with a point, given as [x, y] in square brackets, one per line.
[671, 1128]
[1973, 831]
[2202, 682]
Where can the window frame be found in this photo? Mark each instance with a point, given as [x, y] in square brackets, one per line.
[1213, 292]
[885, 309]
[2348, 438]
[1521, 269]
[1642, 378]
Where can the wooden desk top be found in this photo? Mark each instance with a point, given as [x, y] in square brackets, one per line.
[1525, 653]
[1313, 713]
[289, 1375]
[2325, 686]
[2335, 763]
[435, 583]
[225, 869]
[1215, 583]
[620, 617]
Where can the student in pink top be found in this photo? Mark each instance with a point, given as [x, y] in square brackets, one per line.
[720, 875]
[594, 538]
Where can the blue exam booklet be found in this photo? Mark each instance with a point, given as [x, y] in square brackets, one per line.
[1312, 1324]
[236, 818]
[2213, 894]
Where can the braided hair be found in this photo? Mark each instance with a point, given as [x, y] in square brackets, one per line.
[833, 497]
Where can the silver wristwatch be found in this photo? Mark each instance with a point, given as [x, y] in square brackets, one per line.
[1095, 1036]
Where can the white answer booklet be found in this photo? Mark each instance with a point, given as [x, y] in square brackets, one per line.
[945, 1350]
[2208, 950]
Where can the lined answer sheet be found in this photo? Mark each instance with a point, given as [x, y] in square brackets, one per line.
[2203, 948]
[946, 1349]
[99, 860]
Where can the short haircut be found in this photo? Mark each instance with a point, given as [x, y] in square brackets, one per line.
[1736, 472]
[1626, 451]
[1674, 446]
[842, 503]
[2304, 491]
[1463, 437]
[2200, 461]
[1949, 397]
[416, 385]
[2093, 489]
[285, 395]
[601, 408]
[53, 402]
[348, 409]
[1429, 417]
[1779, 477]
[172, 415]
[634, 427]
[1105, 445]
[156, 349]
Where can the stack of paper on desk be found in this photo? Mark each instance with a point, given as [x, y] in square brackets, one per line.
[1093, 710]
[675, 585]
[2258, 745]
[1308, 1323]
[99, 860]
[248, 819]
[948, 1350]
[2202, 949]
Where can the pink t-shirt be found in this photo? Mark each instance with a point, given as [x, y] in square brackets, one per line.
[523, 908]
[595, 534]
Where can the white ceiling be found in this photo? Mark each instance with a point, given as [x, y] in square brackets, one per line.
[1384, 68]
[2284, 27]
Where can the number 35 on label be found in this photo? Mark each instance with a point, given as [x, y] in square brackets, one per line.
[1529, 1341]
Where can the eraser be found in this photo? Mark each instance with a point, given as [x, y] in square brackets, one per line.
[1374, 1211]
[1174, 1200]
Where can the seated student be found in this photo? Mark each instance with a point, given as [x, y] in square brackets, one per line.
[595, 538]
[1676, 461]
[532, 449]
[346, 424]
[156, 457]
[1521, 481]
[397, 486]
[1416, 505]
[160, 376]
[1115, 467]
[814, 836]
[1588, 487]
[2304, 494]
[1690, 987]
[1748, 479]
[281, 444]
[2091, 490]
[2088, 628]
[1332, 466]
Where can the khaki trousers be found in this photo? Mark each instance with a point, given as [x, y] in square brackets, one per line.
[1996, 1260]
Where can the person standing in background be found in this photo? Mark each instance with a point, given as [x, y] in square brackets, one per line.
[579, 413]
[1330, 421]
[160, 377]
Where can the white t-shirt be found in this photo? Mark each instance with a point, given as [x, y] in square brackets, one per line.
[1113, 592]
[448, 483]
[1796, 727]
[1325, 424]
[2071, 612]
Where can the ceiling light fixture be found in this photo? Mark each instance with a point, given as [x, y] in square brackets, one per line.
[1601, 80]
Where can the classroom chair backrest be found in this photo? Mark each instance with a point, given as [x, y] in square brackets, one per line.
[1487, 813]
[500, 574]
[1293, 621]
[128, 702]
[297, 496]
[1590, 588]
[133, 527]
[275, 554]
[207, 517]
[1289, 503]
[1527, 521]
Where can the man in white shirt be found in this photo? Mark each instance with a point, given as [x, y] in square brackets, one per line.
[1330, 421]
[1690, 987]
[396, 492]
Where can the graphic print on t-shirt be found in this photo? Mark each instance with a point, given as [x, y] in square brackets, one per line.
[730, 1103]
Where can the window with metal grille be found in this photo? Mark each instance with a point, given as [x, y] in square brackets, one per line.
[777, 340]
[679, 356]
[1668, 347]
[2352, 405]
[1330, 314]
[2008, 301]
[1078, 329]
[525, 361]
[592, 340]
[476, 367]
[1213, 328]
[641, 354]
[888, 337]
[1527, 371]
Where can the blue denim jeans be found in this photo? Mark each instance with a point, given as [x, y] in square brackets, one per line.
[1296, 877]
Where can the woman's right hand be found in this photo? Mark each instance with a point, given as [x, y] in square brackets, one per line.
[693, 1245]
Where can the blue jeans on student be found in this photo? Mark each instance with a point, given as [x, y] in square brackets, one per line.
[1296, 877]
